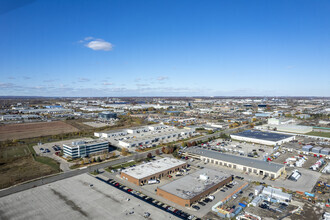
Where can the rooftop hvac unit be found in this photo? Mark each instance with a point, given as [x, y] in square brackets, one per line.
[203, 177]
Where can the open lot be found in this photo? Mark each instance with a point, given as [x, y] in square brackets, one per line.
[17, 164]
[22, 169]
[99, 124]
[79, 197]
[309, 162]
[28, 130]
[96, 124]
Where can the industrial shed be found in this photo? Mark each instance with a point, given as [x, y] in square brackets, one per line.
[316, 150]
[262, 137]
[153, 170]
[325, 151]
[246, 164]
[193, 187]
[307, 148]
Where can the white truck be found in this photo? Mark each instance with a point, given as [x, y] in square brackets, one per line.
[153, 182]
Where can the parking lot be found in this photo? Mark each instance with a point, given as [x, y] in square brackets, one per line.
[79, 197]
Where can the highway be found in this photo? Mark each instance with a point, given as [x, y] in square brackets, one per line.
[61, 176]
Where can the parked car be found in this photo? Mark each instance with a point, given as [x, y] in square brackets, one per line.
[196, 207]
[202, 203]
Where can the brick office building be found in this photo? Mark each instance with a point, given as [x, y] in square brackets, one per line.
[153, 170]
[193, 187]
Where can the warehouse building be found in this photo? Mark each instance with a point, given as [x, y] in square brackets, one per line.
[153, 170]
[111, 134]
[154, 139]
[307, 148]
[107, 115]
[316, 150]
[193, 187]
[276, 194]
[245, 164]
[135, 130]
[262, 137]
[83, 148]
[325, 151]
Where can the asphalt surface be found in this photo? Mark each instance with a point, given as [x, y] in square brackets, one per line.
[61, 176]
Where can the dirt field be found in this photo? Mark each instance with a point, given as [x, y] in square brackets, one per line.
[28, 130]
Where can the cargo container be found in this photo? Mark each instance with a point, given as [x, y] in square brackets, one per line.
[307, 148]
[325, 151]
[316, 150]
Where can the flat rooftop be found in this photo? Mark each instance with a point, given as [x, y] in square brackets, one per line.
[148, 137]
[73, 198]
[81, 142]
[148, 169]
[244, 161]
[262, 135]
[192, 185]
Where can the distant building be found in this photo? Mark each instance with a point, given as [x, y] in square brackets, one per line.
[280, 121]
[262, 137]
[263, 114]
[303, 116]
[53, 106]
[85, 148]
[107, 115]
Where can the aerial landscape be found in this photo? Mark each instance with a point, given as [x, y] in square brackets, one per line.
[144, 109]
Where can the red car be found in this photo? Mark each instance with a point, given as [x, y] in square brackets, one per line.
[117, 184]
[129, 190]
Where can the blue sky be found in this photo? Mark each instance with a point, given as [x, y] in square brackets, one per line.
[165, 48]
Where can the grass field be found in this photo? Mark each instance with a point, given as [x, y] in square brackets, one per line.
[320, 134]
[19, 163]
[29, 130]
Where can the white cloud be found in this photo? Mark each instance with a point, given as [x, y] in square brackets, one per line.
[88, 38]
[162, 78]
[107, 84]
[99, 44]
[6, 85]
[81, 79]
[142, 85]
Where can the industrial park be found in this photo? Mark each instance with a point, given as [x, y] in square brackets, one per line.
[185, 163]
[164, 110]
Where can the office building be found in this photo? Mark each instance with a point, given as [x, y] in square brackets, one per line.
[83, 148]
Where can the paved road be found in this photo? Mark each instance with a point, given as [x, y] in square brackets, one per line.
[61, 176]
